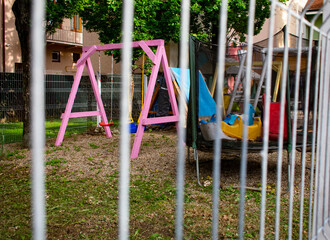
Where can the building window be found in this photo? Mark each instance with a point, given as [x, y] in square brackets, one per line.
[75, 57]
[76, 23]
[56, 57]
[18, 67]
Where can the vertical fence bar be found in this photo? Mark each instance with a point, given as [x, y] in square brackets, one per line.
[245, 117]
[280, 139]
[38, 119]
[321, 126]
[283, 100]
[315, 108]
[264, 152]
[325, 138]
[328, 217]
[326, 163]
[325, 133]
[285, 81]
[305, 131]
[319, 133]
[127, 28]
[294, 131]
[326, 228]
[185, 17]
[219, 110]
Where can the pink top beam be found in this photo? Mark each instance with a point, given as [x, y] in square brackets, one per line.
[150, 43]
[86, 55]
[90, 50]
[148, 51]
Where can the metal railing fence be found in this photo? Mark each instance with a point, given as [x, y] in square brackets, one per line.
[57, 90]
[67, 36]
[318, 200]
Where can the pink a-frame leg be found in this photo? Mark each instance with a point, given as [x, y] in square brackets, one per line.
[68, 108]
[146, 106]
[68, 114]
[170, 88]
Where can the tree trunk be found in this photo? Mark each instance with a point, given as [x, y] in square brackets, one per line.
[22, 11]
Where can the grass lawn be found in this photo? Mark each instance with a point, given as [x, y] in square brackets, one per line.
[82, 193]
[12, 132]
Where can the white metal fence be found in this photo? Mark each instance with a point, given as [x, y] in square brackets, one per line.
[318, 210]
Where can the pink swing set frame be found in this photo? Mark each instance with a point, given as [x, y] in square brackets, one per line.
[157, 59]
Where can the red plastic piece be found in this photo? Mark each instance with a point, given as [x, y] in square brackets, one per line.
[110, 124]
[274, 120]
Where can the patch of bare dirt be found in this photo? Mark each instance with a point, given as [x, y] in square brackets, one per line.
[93, 154]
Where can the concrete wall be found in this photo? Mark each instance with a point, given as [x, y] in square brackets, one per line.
[281, 17]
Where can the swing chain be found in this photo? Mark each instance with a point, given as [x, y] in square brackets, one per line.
[111, 77]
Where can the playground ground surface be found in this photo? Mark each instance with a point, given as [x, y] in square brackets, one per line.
[82, 179]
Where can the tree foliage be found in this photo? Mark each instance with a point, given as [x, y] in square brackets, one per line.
[153, 19]
[55, 13]
[159, 19]
[205, 18]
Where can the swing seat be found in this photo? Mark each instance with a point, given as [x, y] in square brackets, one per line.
[110, 124]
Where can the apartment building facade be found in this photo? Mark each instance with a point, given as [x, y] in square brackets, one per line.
[62, 49]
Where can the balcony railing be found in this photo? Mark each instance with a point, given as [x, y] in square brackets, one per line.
[66, 36]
